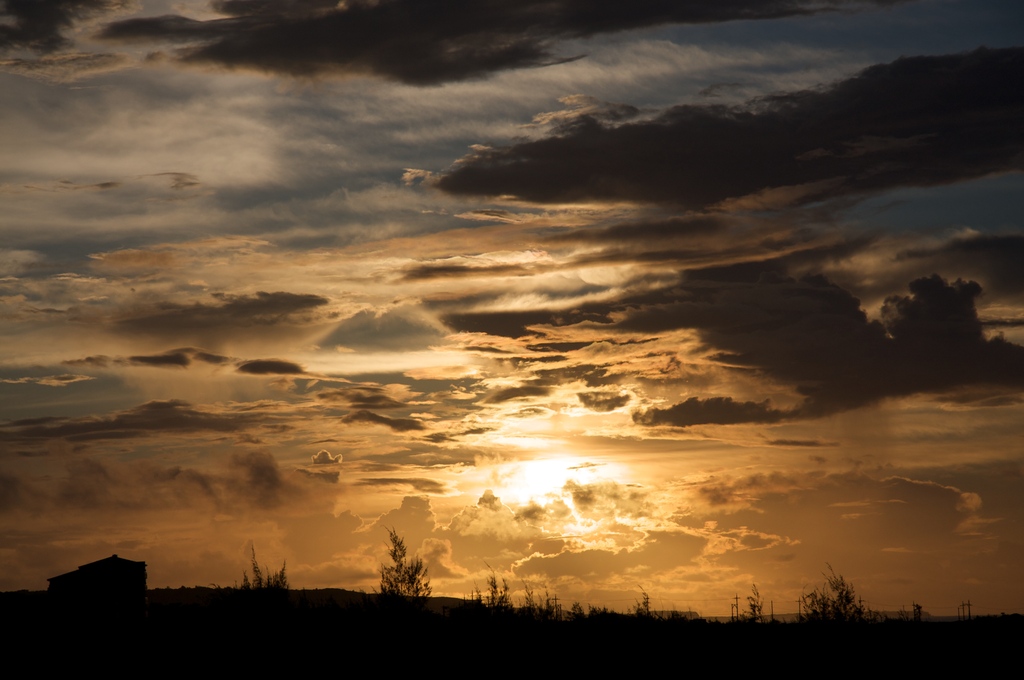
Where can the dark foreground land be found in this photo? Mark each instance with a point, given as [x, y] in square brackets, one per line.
[225, 630]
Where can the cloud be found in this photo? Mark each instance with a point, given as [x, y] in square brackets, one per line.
[248, 480]
[918, 121]
[172, 359]
[40, 26]
[394, 330]
[65, 68]
[437, 554]
[813, 335]
[230, 312]
[418, 484]
[359, 397]
[423, 42]
[996, 257]
[61, 380]
[325, 457]
[492, 521]
[176, 358]
[258, 478]
[603, 402]
[520, 392]
[608, 498]
[812, 443]
[271, 367]
[806, 334]
[396, 424]
[713, 411]
[97, 361]
[326, 476]
[150, 419]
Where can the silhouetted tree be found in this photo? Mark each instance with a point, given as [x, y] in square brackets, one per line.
[755, 605]
[405, 579]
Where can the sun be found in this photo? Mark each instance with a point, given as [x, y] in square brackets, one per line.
[539, 479]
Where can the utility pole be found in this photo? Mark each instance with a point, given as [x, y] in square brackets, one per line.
[735, 613]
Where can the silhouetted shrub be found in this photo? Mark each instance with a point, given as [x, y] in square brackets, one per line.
[834, 602]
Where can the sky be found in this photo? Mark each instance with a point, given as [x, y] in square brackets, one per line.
[601, 298]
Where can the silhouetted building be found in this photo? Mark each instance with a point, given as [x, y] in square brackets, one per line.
[111, 590]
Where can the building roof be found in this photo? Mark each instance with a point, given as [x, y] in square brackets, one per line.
[106, 565]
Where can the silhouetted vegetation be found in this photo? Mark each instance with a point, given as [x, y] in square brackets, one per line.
[642, 609]
[755, 606]
[270, 581]
[264, 623]
[498, 599]
[834, 602]
[405, 580]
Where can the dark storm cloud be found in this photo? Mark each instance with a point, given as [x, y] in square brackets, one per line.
[40, 24]
[918, 121]
[396, 424]
[151, 418]
[813, 335]
[231, 311]
[271, 367]
[424, 42]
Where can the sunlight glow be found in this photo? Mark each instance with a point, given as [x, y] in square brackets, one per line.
[540, 480]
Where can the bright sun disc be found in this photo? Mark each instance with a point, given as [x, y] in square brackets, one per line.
[534, 480]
